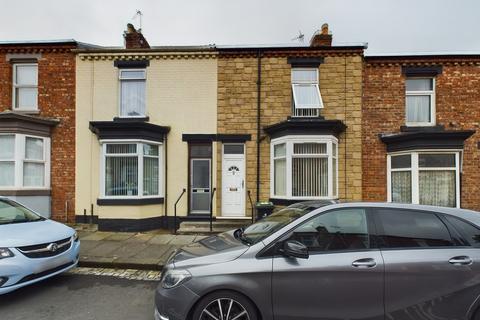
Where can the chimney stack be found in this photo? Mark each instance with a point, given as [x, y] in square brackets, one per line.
[134, 39]
[322, 38]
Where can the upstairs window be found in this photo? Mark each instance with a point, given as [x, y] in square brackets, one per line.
[132, 92]
[307, 100]
[420, 100]
[25, 86]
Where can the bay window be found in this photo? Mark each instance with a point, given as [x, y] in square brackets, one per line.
[429, 178]
[307, 100]
[132, 92]
[25, 86]
[304, 167]
[131, 169]
[420, 101]
[24, 162]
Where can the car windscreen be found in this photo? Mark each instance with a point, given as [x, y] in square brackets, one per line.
[269, 225]
[12, 212]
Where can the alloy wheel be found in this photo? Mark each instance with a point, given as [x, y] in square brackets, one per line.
[224, 309]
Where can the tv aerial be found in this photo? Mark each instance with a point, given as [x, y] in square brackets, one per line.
[139, 15]
[300, 37]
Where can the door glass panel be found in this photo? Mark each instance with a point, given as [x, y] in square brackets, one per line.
[233, 149]
[201, 174]
[201, 151]
[412, 229]
[337, 230]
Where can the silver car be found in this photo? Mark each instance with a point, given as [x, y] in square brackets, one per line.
[324, 260]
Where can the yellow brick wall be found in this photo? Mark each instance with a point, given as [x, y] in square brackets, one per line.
[341, 89]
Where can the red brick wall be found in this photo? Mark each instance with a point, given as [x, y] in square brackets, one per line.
[457, 108]
[56, 99]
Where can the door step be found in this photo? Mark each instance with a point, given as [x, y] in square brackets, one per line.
[203, 227]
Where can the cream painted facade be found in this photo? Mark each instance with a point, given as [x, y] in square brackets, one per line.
[181, 93]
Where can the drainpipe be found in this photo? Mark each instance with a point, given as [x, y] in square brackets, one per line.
[165, 203]
[259, 87]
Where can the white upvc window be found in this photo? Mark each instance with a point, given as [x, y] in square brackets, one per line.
[304, 167]
[131, 169]
[420, 101]
[132, 92]
[25, 86]
[307, 100]
[24, 162]
[425, 177]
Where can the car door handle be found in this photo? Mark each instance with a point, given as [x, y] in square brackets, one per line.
[364, 263]
[461, 260]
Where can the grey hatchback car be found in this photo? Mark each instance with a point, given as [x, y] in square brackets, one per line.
[325, 260]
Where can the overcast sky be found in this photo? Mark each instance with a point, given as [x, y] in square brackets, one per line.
[389, 26]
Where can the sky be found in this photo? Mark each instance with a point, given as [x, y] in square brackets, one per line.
[388, 26]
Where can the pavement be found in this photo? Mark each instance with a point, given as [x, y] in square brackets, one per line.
[128, 250]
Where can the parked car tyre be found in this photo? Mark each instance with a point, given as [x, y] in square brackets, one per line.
[233, 306]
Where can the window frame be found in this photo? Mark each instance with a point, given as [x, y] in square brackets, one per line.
[140, 156]
[430, 93]
[120, 79]
[315, 83]
[16, 86]
[19, 160]
[289, 141]
[415, 171]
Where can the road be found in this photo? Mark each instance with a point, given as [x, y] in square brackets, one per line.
[81, 297]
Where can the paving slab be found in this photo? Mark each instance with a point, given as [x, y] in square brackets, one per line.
[153, 252]
[97, 236]
[161, 239]
[141, 237]
[120, 236]
[182, 240]
[104, 249]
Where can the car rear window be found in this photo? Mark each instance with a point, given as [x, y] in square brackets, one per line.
[468, 231]
[411, 229]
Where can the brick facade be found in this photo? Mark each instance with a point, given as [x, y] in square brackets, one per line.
[56, 99]
[340, 81]
[457, 108]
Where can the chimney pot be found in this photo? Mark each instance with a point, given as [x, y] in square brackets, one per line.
[322, 38]
[134, 39]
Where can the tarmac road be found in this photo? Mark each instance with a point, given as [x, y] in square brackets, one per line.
[81, 297]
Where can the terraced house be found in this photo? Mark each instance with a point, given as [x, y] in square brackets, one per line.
[37, 125]
[421, 129]
[297, 114]
[140, 113]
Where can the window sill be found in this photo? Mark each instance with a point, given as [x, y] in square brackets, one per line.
[129, 202]
[288, 201]
[25, 192]
[132, 119]
[26, 111]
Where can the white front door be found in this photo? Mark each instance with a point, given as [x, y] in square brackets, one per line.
[233, 180]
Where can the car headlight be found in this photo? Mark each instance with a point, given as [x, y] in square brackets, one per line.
[5, 253]
[173, 278]
[75, 236]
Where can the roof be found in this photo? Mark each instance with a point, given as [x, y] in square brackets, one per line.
[54, 42]
[422, 55]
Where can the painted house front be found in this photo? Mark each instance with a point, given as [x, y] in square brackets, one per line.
[145, 116]
[295, 116]
[421, 130]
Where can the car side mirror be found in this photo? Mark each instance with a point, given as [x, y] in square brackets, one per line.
[295, 249]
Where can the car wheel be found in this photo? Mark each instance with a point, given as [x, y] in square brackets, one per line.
[225, 305]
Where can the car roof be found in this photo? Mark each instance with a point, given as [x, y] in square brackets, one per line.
[470, 215]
